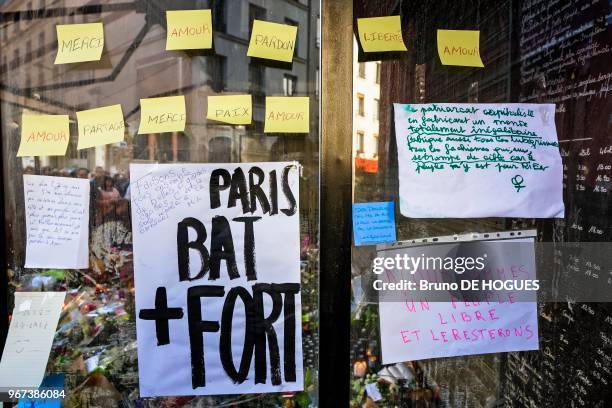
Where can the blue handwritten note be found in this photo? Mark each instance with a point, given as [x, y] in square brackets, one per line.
[373, 223]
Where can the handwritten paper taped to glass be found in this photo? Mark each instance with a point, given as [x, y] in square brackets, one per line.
[44, 135]
[374, 223]
[79, 42]
[100, 126]
[57, 222]
[478, 160]
[29, 339]
[272, 41]
[413, 327]
[188, 29]
[211, 269]
[381, 34]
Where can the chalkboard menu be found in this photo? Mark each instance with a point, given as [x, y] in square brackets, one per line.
[565, 58]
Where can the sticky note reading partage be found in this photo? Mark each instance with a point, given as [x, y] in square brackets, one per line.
[100, 126]
[188, 29]
[287, 114]
[233, 109]
[79, 42]
[381, 34]
[159, 115]
[459, 47]
[374, 223]
[272, 41]
[44, 135]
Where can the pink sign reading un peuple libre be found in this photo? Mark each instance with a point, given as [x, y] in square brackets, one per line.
[413, 327]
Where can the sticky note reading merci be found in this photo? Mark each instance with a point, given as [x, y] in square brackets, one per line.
[159, 115]
[287, 114]
[44, 135]
[79, 42]
[188, 29]
[272, 41]
[380, 34]
[459, 47]
[100, 126]
[233, 109]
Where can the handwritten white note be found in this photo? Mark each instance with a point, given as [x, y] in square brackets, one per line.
[57, 222]
[478, 160]
[29, 339]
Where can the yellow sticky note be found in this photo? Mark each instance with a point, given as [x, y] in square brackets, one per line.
[272, 41]
[44, 135]
[459, 47]
[287, 114]
[100, 126]
[379, 34]
[159, 115]
[188, 29]
[233, 109]
[79, 42]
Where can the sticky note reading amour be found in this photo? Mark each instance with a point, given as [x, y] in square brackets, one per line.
[79, 42]
[159, 115]
[233, 109]
[272, 41]
[380, 34]
[100, 126]
[459, 47]
[188, 29]
[287, 114]
[44, 135]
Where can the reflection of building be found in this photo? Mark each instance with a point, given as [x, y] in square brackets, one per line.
[366, 91]
[136, 65]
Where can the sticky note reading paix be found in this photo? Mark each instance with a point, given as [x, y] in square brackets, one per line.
[188, 29]
[100, 126]
[459, 47]
[79, 42]
[287, 114]
[272, 41]
[159, 115]
[44, 135]
[233, 109]
[380, 34]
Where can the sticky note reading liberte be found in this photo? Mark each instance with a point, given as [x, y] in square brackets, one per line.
[159, 115]
[79, 42]
[233, 109]
[44, 135]
[287, 114]
[100, 126]
[459, 47]
[188, 29]
[380, 34]
[272, 41]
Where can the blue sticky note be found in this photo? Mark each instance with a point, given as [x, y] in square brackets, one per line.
[373, 223]
[56, 382]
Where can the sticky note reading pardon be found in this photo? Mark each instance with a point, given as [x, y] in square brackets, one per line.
[188, 29]
[159, 115]
[79, 42]
[44, 135]
[100, 126]
[459, 47]
[380, 34]
[233, 109]
[272, 41]
[287, 114]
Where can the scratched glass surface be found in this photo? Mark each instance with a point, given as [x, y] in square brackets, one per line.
[540, 52]
[95, 343]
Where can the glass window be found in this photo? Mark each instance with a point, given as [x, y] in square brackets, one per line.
[378, 72]
[360, 105]
[362, 70]
[360, 142]
[294, 23]
[96, 346]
